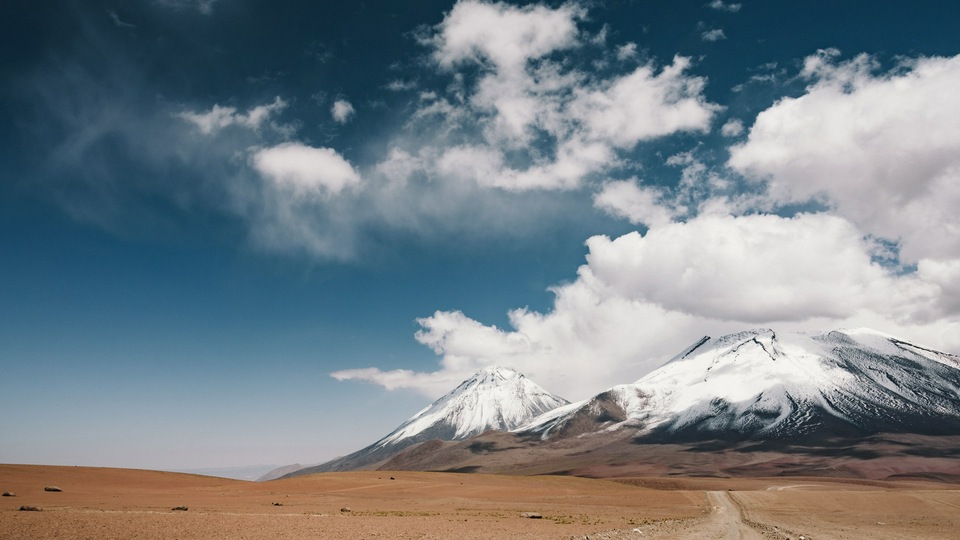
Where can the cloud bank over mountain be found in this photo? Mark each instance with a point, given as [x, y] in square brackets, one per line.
[870, 156]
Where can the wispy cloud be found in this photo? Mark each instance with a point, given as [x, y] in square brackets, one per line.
[720, 5]
[732, 128]
[116, 20]
[341, 111]
[203, 6]
[627, 51]
[218, 118]
[713, 35]
[400, 85]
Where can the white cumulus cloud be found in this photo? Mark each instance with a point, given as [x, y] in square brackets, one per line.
[638, 204]
[753, 268]
[540, 122]
[643, 105]
[883, 149]
[641, 299]
[504, 35]
[305, 170]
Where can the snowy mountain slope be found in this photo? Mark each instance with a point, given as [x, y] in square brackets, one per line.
[494, 398]
[765, 385]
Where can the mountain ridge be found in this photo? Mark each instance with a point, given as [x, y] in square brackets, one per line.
[760, 384]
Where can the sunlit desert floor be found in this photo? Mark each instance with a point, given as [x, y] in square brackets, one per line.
[118, 503]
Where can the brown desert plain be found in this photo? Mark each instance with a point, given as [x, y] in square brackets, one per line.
[103, 503]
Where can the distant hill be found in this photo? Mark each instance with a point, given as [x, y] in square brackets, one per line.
[278, 472]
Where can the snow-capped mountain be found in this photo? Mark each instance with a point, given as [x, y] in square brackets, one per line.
[765, 385]
[494, 398]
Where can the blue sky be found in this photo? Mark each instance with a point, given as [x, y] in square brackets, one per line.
[237, 232]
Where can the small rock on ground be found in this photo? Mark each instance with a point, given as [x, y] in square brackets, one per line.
[26, 508]
[52, 488]
[531, 515]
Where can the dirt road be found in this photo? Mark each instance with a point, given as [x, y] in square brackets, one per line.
[724, 521]
[727, 521]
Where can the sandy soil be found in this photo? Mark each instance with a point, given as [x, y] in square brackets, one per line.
[116, 503]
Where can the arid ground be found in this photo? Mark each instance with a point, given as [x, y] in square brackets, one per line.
[117, 503]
